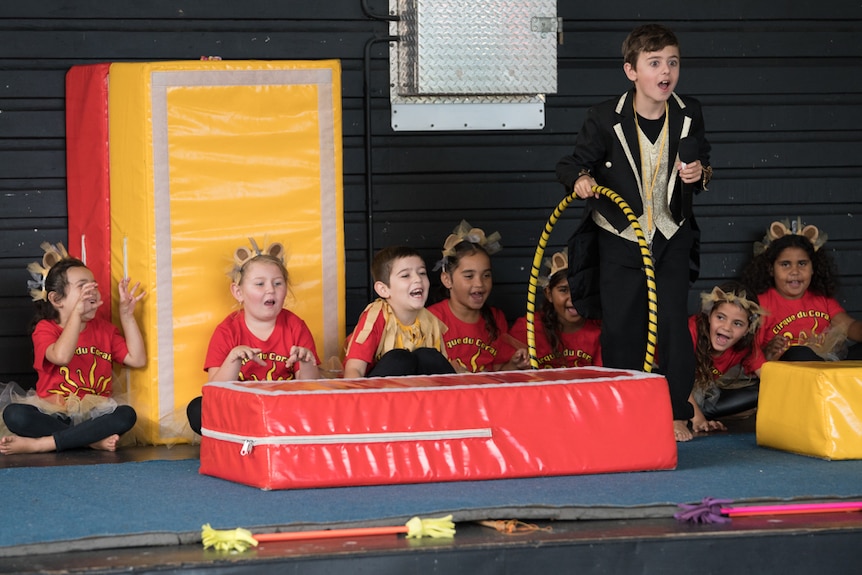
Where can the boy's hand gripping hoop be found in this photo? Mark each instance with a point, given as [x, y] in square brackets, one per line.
[649, 272]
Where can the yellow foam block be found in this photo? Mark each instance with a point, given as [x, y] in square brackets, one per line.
[204, 155]
[811, 408]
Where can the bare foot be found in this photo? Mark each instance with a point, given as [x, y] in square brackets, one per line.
[107, 444]
[681, 431]
[13, 444]
[704, 425]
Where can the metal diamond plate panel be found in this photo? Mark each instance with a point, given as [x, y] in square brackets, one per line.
[476, 47]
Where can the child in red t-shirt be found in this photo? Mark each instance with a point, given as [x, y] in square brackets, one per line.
[564, 338]
[477, 334]
[262, 341]
[723, 339]
[796, 283]
[395, 334]
[74, 353]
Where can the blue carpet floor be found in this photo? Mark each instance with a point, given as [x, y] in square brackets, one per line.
[166, 502]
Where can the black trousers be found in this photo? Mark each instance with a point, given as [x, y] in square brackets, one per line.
[732, 401]
[421, 361]
[27, 421]
[193, 412]
[625, 312]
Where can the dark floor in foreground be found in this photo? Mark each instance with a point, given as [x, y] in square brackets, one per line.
[778, 544]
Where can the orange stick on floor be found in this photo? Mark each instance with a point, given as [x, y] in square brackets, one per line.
[330, 533]
[241, 539]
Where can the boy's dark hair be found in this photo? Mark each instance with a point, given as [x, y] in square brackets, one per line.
[824, 274]
[381, 263]
[55, 281]
[647, 38]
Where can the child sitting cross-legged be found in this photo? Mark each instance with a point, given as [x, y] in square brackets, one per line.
[74, 351]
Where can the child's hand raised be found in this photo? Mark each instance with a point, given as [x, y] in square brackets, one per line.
[89, 298]
[129, 297]
[691, 172]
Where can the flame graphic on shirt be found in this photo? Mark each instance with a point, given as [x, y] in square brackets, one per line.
[270, 375]
[474, 367]
[804, 338]
[85, 383]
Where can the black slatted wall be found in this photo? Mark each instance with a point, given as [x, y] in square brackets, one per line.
[780, 87]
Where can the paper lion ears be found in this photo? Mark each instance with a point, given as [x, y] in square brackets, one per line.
[780, 229]
[243, 254]
[556, 263]
[39, 272]
[464, 232]
[53, 254]
[559, 261]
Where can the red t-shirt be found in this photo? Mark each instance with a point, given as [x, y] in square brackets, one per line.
[578, 349]
[91, 369]
[729, 358]
[367, 350]
[809, 315]
[467, 343]
[419, 334]
[289, 331]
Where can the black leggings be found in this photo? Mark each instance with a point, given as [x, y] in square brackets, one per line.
[738, 400]
[732, 401]
[27, 421]
[421, 361]
[805, 353]
[193, 412]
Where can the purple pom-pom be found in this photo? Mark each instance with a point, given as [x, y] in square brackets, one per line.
[707, 511]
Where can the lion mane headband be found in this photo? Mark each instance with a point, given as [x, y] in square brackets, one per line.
[717, 295]
[464, 232]
[39, 270]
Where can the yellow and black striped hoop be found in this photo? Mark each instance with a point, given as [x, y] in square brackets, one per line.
[649, 272]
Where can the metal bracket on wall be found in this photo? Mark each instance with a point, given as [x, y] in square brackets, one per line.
[472, 64]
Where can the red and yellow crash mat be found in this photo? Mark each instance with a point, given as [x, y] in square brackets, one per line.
[172, 167]
[343, 432]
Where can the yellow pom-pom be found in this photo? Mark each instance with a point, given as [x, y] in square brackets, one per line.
[438, 528]
[227, 540]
